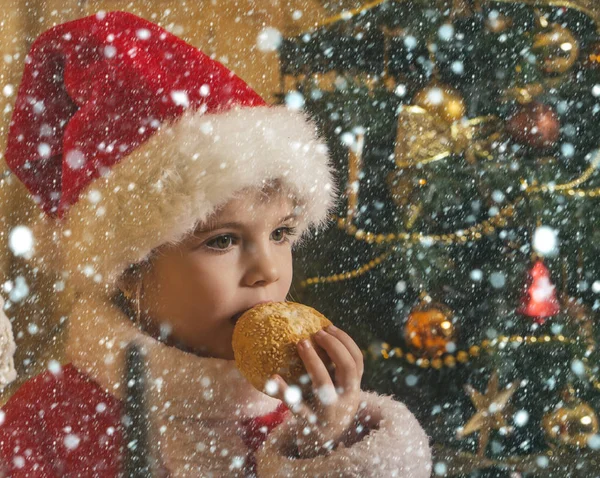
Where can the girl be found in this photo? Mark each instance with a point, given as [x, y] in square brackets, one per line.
[172, 197]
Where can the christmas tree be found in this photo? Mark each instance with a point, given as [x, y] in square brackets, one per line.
[465, 253]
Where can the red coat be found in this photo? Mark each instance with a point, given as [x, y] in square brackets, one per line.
[65, 425]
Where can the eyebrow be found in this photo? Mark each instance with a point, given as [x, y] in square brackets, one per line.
[236, 225]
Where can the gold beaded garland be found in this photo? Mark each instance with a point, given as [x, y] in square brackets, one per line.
[450, 360]
[475, 232]
[350, 274]
[464, 356]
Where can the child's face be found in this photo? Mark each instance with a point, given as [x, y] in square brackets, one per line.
[242, 257]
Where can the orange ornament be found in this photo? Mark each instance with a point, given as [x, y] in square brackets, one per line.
[429, 330]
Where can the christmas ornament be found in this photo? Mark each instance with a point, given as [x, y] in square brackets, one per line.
[572, 423]
[535, 125]
[558, 49]
[442, 101]
[540, 300]
[423, 137]
[265, 338]
[429, 329]
[491, 411]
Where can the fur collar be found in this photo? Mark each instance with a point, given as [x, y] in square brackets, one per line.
[196, 405]
[213, 388]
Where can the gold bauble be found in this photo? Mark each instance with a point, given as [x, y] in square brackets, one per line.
[429, 330]
[572, 424]
[265, 338]
[441, 100]
[558, 47]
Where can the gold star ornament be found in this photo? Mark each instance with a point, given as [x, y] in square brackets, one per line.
[491, 411]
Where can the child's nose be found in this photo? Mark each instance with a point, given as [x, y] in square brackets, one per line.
[263, 267]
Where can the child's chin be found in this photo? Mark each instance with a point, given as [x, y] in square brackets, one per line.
[226, 353]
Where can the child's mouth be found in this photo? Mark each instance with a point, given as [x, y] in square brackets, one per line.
[237, 316]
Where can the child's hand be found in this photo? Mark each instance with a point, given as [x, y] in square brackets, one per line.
[329, 406]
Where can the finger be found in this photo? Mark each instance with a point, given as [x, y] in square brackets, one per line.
[317, 371]
[346, 374]
[275, 387]
[351, 345]
[290, 395]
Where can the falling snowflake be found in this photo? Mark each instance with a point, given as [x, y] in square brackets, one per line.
[8, 90]
[71, 441]
[75, 159]
[180, 98]
[545, 241]
[292, 395]
[20, 241]
[54, 367]
[294, 100]
[269, 39]
[143, 33]
[110, 51]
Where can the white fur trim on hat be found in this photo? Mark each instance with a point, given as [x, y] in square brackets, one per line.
[183, 173]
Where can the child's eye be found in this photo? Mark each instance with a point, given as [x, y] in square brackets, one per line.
[221, 242]
[283, 234]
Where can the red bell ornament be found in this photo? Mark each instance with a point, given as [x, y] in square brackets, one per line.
[540, 300]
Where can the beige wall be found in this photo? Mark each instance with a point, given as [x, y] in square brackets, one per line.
[227, 29]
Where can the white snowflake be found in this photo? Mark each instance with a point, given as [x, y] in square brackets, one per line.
[269, 39]
[545, 241]
[294, 100]
[143, 33]
[8, 90]
[20, 241]
[180, 98]
[75, 159]
[54, 367]
[110, 51]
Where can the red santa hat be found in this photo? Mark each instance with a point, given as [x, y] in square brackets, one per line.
[127, 137]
